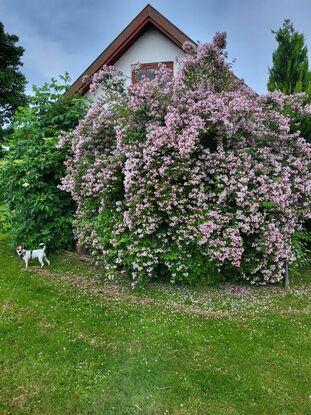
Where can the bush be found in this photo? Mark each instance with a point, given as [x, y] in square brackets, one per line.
[3, 219]
[194, 176]
[37, 209]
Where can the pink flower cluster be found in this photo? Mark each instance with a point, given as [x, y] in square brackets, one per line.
[178, 173]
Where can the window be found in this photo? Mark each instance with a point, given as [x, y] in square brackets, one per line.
[148, 70]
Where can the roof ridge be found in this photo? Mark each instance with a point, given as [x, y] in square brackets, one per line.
[146, 17]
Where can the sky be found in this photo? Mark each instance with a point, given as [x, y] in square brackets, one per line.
[67, 35]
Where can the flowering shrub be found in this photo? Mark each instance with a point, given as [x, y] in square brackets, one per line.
[192, 176]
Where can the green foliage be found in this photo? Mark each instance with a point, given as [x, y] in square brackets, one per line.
[3, 219]
[31, 172]
[12, 81]
[301, 242]
[290, 71]
[202, 269]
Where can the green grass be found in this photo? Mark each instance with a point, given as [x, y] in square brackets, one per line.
[72, 343]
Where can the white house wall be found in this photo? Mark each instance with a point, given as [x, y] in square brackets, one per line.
[152, 46]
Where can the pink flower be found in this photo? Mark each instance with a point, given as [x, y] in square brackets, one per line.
[180, 173]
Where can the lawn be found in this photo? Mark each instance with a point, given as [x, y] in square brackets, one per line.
[73, 343]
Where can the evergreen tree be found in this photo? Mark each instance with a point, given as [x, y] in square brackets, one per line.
[12, 81]
[290, 71]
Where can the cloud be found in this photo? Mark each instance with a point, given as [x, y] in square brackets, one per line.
[67, 35]
[44, 57]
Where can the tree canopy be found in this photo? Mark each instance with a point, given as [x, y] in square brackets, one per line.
[12, 81]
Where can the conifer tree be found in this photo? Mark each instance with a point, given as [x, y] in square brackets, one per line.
[290, 70]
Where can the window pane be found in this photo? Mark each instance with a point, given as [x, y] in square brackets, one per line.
[139, 74]
[148, 70]
[150, 73]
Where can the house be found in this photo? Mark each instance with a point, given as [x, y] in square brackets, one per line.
[149, 39]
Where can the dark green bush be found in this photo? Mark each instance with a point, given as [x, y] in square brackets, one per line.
[31, 171]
